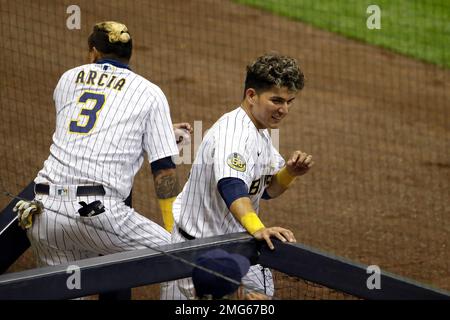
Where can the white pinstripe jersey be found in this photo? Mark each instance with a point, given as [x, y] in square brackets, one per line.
[106, 117]
[233, 147]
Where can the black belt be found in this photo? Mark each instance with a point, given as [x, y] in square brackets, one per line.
[185, 234]
[81, 190]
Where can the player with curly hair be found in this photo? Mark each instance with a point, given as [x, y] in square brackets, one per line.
[237, 165]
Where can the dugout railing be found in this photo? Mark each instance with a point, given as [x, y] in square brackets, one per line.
[141, 267]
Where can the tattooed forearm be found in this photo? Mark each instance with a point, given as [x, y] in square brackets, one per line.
[166, 184]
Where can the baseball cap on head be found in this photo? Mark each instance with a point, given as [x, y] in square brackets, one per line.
[233, 266]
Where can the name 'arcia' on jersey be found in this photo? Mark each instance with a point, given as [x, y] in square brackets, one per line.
[102, 80]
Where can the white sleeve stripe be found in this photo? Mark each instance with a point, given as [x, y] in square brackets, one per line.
[160, 134]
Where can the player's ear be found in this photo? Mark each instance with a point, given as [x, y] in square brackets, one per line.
[250, 95]
[94, 55]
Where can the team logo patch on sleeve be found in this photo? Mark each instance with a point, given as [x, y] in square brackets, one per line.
[236, 162]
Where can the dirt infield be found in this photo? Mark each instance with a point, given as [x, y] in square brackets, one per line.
[376, 122]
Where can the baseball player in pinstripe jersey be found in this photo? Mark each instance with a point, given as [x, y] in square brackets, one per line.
[107, 118]
[237, 165]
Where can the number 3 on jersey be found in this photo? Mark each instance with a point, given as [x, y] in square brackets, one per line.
[76, 126]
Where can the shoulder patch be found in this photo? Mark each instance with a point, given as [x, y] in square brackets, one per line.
[236, 162]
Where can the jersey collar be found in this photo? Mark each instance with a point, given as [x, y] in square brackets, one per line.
[246, 117]
[114, 63]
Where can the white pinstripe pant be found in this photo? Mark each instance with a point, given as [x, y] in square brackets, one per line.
[64, 236]
[183, 289]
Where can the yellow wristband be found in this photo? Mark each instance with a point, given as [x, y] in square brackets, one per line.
[284, 178]
[166, 209]
[251, 222]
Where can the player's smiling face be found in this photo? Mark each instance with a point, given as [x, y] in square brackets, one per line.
[270, 107]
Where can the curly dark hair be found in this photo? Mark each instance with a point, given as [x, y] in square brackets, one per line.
[274, 70]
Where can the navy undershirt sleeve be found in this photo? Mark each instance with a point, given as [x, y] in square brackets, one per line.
[164, 163]
[231, 189]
